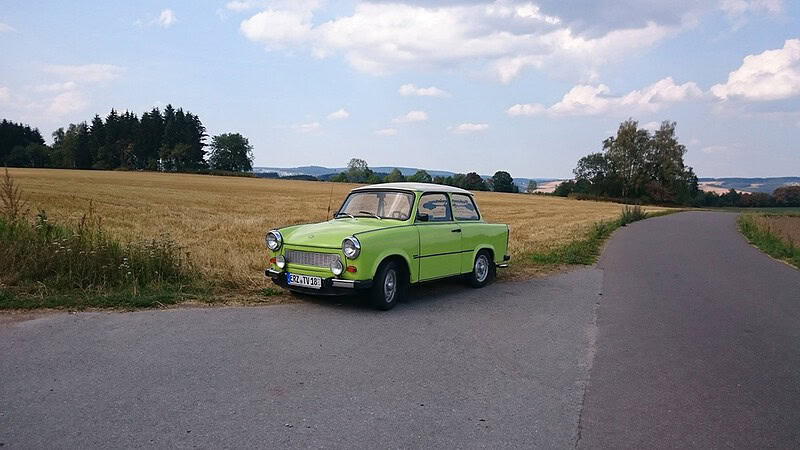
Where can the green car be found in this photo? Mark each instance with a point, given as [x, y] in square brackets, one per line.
[386, 237]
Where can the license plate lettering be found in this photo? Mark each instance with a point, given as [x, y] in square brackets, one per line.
[304, 281]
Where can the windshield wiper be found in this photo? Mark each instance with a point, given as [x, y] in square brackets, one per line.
[371, 214]
[337, 215]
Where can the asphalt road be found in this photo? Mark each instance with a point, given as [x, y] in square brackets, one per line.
[698, 340]
[684, 335]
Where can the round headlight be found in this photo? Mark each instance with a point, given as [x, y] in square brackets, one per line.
[336, 267]
[274, 240]
[351, 247]
[280, 261]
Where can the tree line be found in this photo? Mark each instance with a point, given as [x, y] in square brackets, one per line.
[172, 140]
[358, 171]
[637, 165]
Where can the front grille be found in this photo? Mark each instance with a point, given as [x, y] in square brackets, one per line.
[315, 259]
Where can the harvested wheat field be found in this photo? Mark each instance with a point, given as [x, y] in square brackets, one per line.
[786, 227]
[221, 221]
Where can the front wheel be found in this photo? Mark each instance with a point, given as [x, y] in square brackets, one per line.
[387, 287]
[482, 270]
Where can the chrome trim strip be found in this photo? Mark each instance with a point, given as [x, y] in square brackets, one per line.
[351, 284]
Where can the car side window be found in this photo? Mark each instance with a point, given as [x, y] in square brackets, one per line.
[436, 207]
[464, 207]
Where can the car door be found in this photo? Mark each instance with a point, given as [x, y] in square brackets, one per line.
[439, 238]
[466, 214]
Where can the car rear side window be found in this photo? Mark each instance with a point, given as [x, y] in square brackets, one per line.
[436, 207]
[464, 207]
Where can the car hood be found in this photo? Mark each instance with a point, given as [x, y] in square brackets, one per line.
[331, 233]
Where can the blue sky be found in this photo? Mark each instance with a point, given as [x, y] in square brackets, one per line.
[527, 87]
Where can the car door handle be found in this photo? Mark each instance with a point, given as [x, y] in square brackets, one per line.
[457, 230]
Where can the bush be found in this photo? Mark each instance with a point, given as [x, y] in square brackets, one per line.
[631, 214]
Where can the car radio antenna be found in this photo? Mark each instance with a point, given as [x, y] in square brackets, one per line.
[330, 199]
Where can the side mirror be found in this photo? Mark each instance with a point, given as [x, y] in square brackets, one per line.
[422, 217]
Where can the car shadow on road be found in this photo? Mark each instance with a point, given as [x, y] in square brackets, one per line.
[422, 295]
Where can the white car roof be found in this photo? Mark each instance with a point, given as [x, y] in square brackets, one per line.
[415, 187]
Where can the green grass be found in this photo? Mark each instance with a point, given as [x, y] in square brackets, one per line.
[120, 299]
[764, 210]
[769, 243]
[586, 251]
[47, 265]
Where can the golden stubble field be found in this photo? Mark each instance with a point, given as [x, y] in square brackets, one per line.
[787, 227]
[221, 221]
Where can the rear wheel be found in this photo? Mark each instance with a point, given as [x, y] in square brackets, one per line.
[482, 270]
[387, 287]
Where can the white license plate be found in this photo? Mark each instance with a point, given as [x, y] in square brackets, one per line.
[304, 281]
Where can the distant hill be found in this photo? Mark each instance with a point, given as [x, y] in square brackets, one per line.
[750, 184]
[319, 171]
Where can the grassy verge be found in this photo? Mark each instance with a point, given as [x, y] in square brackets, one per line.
[769, 242]
[56, 265]
[585, 251]
[46, 265]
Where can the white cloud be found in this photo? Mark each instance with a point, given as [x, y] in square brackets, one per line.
[736, 7]
[469, 128]
[241, 5]
[87, 73]
[165, 19]
[410, 89]
[412, 116]
[306, 127]
[591, 100]
[528, 109]
[652, 126]
[5, 28]
[385, 132]
[714, 149]
[66, 102]
[5, 95]
[338, 115]
[502, 37]
[770, 75]
[57, 87]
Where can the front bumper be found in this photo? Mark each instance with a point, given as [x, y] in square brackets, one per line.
[330, 286]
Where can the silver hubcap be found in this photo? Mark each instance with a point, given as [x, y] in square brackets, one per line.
[389, 286]
[481, 268]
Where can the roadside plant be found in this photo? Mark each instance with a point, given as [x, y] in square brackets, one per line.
[14, 206]
[631, 214]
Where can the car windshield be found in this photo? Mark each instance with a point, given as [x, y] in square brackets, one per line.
[378, 204]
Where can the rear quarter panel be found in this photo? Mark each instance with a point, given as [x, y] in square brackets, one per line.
[477, 236]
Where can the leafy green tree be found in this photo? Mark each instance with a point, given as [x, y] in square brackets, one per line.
[628, 154]
[340, 177]
[395, 176]
[532, 186]
[420, 176]
[439, 179]
[459, 180]
[231, 152]
[502, 182]
[374, 179]
[474, 182]
[13, 135]
[564, 188]
[358, 171]
[787, 196]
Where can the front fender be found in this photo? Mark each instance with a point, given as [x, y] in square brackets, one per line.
[378, 245]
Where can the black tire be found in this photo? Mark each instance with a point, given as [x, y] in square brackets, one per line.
[482, 270]
[388, 287]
